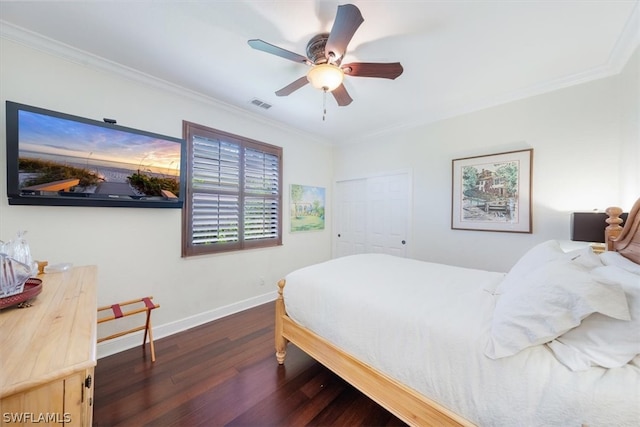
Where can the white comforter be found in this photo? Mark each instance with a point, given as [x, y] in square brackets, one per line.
[427, 325]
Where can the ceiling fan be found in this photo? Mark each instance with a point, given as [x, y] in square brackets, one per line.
[325, 52]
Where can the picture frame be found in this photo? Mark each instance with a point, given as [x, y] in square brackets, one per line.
[493, 192]
[307, 208]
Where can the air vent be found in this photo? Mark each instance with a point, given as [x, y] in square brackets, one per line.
[260, 104]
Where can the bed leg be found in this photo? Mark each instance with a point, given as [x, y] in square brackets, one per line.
[281, 342]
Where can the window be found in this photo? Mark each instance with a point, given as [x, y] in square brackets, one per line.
[234, 192]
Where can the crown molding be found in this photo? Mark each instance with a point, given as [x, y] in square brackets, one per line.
[623, 49]
[627, 43]
[69, 53]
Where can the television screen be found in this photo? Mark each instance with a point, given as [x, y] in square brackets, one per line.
[59, 159]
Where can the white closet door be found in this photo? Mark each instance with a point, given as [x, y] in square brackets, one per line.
[351, 211]
[388, 213]
[373, 215]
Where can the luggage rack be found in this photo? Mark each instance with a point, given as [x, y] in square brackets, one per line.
[118, 313]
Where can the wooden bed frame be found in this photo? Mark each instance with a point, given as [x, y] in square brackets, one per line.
[402, 401]
[625, 240]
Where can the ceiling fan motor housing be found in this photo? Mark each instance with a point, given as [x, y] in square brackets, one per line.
[316, 50]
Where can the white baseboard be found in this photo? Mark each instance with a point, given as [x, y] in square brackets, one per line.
[116, 345]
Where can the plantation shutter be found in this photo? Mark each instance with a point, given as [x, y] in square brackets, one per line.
[215, 196]
[233, 193]
[262, 183]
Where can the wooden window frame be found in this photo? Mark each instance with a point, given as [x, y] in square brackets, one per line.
[189, 130]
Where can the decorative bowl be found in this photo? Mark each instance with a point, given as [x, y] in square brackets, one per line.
[32, 287]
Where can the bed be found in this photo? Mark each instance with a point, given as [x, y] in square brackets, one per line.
[555, 341]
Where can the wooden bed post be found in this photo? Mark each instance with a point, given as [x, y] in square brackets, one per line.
[281, 341]
[625, 241]
[613, 229]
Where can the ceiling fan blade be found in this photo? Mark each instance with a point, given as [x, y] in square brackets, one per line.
[292, 87]
[342, 96]
[389, 70]
[348, 19]
[275, 50]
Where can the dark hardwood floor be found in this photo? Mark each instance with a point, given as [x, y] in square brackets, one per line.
[225, 373]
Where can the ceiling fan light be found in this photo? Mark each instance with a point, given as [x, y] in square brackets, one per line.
[325, 76]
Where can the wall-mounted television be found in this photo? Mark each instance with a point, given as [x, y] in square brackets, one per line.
[58, 159]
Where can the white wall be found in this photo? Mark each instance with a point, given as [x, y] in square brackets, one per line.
[586, 156]
[138, 250]
[629, 90]
[585, 140]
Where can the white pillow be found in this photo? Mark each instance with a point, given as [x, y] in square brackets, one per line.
[585, 257]
[543, 253]
[536, 257]
[614, 258]
[547, 302]
[601, 340]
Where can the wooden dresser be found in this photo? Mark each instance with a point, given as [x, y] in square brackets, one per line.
[48, 353]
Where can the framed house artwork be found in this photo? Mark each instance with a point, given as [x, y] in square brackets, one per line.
[492, 192]
[307, 208]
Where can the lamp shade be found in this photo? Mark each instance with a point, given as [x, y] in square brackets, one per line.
[589, 226]
[325, 76]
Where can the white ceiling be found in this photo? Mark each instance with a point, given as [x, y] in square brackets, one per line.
[458, 56]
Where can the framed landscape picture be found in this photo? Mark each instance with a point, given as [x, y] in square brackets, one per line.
[307, 208]
[492, 192]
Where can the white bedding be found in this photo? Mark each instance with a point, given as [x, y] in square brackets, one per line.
[427, 325]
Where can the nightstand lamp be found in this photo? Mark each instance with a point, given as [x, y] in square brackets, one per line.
[589, 227]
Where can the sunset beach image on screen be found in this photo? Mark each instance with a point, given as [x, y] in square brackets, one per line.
[67, 157]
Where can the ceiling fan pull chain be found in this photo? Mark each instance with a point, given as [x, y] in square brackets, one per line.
[324, 103]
